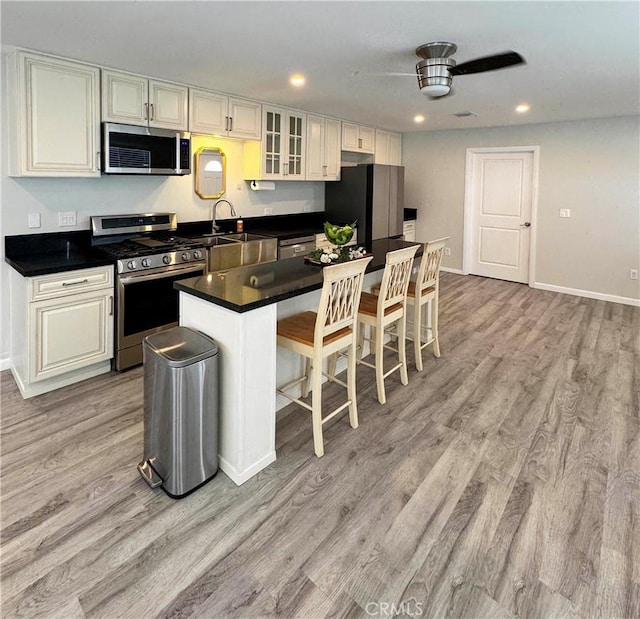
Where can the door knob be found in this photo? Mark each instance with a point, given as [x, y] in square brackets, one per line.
[526, 224]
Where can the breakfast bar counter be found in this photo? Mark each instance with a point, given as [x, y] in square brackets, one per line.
[239, 308]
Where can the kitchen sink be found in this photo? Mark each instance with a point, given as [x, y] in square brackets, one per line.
[229, 251]
[244, 237]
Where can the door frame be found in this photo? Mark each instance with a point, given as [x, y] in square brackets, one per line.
[469, 214]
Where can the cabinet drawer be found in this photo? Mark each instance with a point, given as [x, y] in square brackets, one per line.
[70, 282]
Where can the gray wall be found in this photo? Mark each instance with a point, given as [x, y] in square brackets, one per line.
[591, 167]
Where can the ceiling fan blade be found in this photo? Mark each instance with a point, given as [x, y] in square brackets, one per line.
[488, 63]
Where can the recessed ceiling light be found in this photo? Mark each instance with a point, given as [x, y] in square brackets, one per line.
[418, 118]
[522, 108]
[297, 80]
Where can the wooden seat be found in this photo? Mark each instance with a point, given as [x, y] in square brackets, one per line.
[322, 334]
[425, 291]
[387, 309]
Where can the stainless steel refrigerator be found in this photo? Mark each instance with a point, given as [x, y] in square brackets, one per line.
[372, 194]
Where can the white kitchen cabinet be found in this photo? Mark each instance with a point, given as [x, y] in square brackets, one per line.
[137, 100]
[409, 230]
[280, 155]
[212, 113]
[62, 328]
[323, 149]
[358, 138]
[388, 148]
[54, 121]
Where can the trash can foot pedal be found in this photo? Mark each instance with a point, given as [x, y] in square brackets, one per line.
[148, 474]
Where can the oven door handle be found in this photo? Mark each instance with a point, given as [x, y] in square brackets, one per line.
[132, 279]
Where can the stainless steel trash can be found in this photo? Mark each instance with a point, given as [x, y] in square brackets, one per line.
[180, 410]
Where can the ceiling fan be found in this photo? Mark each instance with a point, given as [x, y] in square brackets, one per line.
[436, 70]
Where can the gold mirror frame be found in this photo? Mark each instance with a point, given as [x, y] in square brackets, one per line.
[208, 181]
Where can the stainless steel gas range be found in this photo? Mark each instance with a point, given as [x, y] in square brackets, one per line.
[149, 258]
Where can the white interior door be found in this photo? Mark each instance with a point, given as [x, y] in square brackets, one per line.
[499, 213]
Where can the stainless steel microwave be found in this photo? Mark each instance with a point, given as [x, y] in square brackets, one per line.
[129, 149]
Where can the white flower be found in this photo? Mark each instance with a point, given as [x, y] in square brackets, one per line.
[325, 258]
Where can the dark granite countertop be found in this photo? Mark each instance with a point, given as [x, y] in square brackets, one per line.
[42, 254]
[283, 279]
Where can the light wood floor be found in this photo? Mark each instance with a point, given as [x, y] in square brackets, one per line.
[503, 481]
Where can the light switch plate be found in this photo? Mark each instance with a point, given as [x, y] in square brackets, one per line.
[565, 212]
[34, 220]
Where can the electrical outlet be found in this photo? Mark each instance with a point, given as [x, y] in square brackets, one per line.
[268, 210]
[67, 218]
[307, 208]
[239, 187]
[633, 273]
[34, 220]
[447, 251]
[565, 212]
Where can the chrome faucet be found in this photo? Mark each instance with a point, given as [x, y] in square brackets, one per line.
[214, 226]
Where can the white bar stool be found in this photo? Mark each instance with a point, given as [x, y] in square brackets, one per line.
[388, 308]
[319, 335]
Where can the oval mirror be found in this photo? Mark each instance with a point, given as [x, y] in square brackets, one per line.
[211, 172]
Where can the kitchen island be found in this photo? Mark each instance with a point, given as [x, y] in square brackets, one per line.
[239, 308]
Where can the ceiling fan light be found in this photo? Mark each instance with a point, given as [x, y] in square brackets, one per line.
[435, 90]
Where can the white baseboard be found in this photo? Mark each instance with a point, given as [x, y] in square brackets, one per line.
[239, 477]
[600, 296]
[5, 363]
[450, 270]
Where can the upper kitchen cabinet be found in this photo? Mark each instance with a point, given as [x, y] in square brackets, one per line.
[357, 138]
[215, 114]
[388, 148]
[136, 100]
[54, 126]
[323, 149]
[280, 154]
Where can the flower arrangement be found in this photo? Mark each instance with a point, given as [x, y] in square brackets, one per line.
[333, 255]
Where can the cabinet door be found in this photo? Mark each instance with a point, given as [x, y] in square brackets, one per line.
[332, 150]
[367, 139]
[168, 105]
[296, 126]
[55, 128]
[315, 148]
[70, 333]
[208, 112]
[245, 119]
[125, 98]
[395, 149]
[382, 147]
[273, 143]
[350, 137]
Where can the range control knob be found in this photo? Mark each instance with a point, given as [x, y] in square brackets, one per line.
[197, 254]
[145, 262]
[185, 256]
[131, 265]
[166, 259]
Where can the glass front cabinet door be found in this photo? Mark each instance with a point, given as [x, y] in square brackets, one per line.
[284, 144]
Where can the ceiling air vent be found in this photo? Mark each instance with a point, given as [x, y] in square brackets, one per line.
[465, 114]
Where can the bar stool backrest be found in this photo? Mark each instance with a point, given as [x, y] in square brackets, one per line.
[395, 279]
[429, 271]
[340, 297]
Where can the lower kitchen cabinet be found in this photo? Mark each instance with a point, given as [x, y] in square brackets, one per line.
[409, 230]
[62, 328]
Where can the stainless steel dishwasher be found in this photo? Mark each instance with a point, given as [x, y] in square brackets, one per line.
[297, 246]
